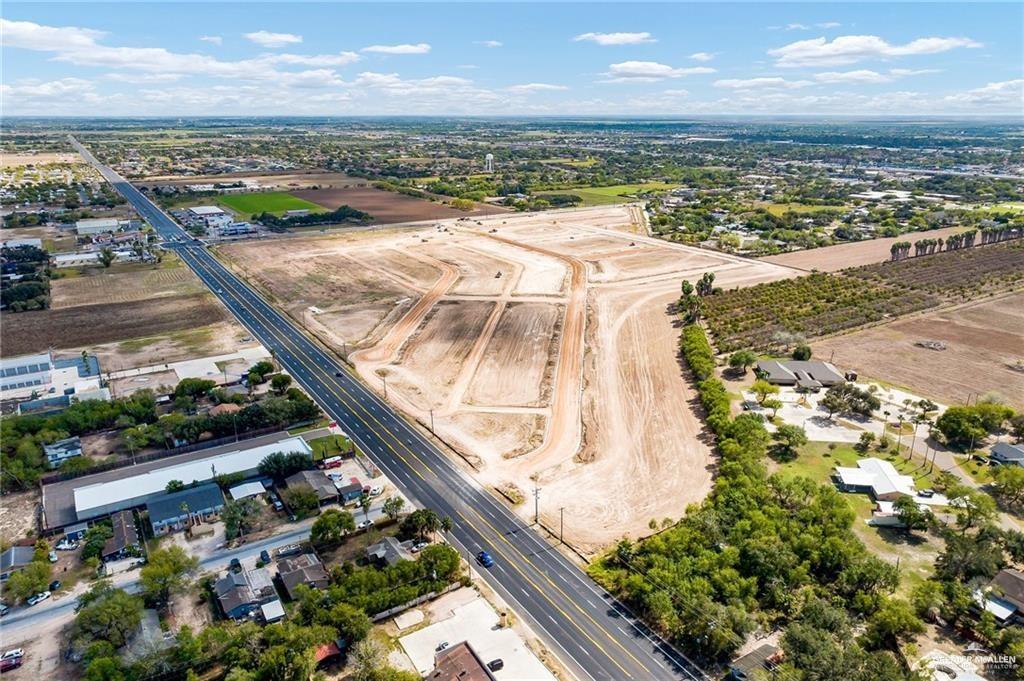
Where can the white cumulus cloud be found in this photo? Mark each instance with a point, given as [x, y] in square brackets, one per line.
[850, 49]
[418, 48]
[268, 39]
[212, 39]
[488, 43]
[764, 83]
[615, 38]
[702, 56]
[536, 87]
[649, 71]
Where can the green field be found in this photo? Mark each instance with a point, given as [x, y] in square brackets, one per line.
[619, 193]
[267, 202]
[1010, 206]
[328, 446]
[778, 209]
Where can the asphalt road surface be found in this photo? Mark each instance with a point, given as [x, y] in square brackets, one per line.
[590, 632]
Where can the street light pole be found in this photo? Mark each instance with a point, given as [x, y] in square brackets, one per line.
[431, 420]
[385, 379]
[536, 503]
[561, 524]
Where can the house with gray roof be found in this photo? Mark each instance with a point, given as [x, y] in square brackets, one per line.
[14, 559]
[192, 506]
[241, 594]
[1003, 453]
[325, 489]
[812, 374]
[388, 551]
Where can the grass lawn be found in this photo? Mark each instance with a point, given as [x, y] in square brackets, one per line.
[322, 423]
[778, 209]
[328, 446]
[267, 202]
[914, 553]
[619, 193]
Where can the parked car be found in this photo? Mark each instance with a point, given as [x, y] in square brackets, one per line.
[927, 493]
[485, 559]
[10, 663]
[53, 556]
[54, 585]
[419, 546]
[376, 491]
[289, 550]
[14, 652]
[235, 565]
[365, 524]
[66, 545]
[38, 598]
[441, 646]
[265, 557]
[495, 665]
[4, 609]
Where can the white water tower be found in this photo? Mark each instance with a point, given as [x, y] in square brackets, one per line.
[489, 163]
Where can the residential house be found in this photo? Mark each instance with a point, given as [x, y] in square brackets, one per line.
[177, 510]
[1006, 454]
[350, 491]
[303, 569]
[324, 487]
[240, 594]
[1004, 597]
[14, 559]
[876, 477]
[125, 539]
[247, 489]
[388, 551]
[812, 374]
[460, 662]
[745, 666]
[60, 451]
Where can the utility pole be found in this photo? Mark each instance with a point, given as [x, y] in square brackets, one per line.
[385, 379]
[536, 503]
[431, 420]
[561, 524]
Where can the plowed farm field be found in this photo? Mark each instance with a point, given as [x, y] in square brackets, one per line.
[543, 347]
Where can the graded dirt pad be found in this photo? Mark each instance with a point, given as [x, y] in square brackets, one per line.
[983, 340]
[841, 256]
[87, 325]
[297, 179]
[515, 366]
[563, 370]
[389, 207]
[10, 160]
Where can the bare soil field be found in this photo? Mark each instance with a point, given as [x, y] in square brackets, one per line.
[88, 325]
[983, 340]
[563, 370]
[298, 179]
[841, 256]
[132, 284]
[389, 207]
[10, 160]
[18, 514]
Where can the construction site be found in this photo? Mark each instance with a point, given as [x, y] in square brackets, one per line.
[542, 347]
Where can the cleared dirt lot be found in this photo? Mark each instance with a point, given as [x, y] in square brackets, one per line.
[841, 256]
[389, 207]
[983, 340]
[134, 283]
[564, 369]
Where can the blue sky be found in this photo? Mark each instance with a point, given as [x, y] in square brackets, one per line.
[545, 59]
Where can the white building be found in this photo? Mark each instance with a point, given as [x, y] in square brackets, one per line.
[25, 371]
[102, 498]
[95, 226]
[87, 258]
[210, 217]
[18, 243]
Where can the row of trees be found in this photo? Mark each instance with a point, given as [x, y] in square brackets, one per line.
[341, 214]
[763, 549]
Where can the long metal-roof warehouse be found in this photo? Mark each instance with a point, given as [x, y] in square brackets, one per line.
[115, 495]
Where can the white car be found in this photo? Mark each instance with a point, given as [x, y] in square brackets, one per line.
[376, 491]
[364, 525]
[66, 545]
[419, 546]
[38, 598]
[16, 652]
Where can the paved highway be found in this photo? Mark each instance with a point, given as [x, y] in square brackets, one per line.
[592, 634]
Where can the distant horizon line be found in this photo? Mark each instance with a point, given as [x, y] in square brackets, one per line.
[632, 117]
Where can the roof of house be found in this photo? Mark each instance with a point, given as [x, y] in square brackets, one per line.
[460, 662]
[16, 557]
[246, 489]
[755, 659]
[389, 550]
[812, 371]
[272, 611]
[304, 569]
[353, 485]
[877, 474]
[248, 587]
[201, 498]
[1008, 452]
[64, 446]
[125, 533]
[130, 487]
[321, 484]
[224, 408]
[1010, 583]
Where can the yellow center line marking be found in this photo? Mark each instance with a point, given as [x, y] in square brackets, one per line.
[320, 372]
